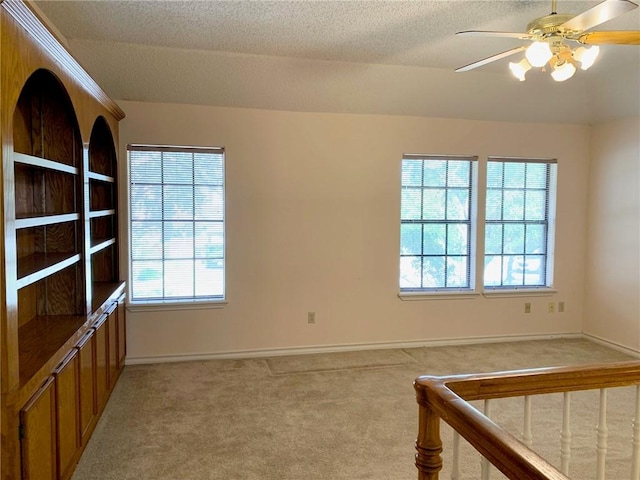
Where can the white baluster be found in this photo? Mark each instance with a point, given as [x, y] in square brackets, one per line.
[527, 436]
[635, 466]
[484, 463]
[565, 435]
[603, 433]
[455, 461]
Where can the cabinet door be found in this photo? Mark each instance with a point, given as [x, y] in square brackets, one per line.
[112, 325]
[122, 333]
[38, 443]
[88, 405]
[102, 359]
[67, 413]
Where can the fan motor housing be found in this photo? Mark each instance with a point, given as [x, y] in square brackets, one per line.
[548, 24]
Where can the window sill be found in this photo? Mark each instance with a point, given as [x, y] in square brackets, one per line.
[419, 296]
[171, 306]
[519, 292]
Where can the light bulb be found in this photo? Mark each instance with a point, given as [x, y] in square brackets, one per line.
[586, 56]
[563, 71]
[520, 68]
[538, 54]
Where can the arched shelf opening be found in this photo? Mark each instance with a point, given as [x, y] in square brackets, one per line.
[102, 153]
[103, 210]
[44, 121]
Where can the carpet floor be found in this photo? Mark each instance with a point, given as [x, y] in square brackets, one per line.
[336, 416]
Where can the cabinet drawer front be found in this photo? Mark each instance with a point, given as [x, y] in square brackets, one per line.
[112, 325]
[88, 405]
[38, 443]
[122, 333]
[67, 413]
[102, 359]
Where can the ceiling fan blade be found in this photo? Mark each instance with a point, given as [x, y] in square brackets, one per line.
[601, 13]
[611, 38]
[488, 33]
[490, 59]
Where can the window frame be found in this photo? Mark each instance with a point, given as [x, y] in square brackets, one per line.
[416, 293]
[177, 302]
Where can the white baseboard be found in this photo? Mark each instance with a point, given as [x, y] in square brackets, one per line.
[613, 345]
[274, 352]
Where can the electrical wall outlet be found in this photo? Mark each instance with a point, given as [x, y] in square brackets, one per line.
[552, 307]
[311, 317]
[560, 307]
[527, 307]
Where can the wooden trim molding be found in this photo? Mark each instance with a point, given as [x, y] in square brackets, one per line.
[27, 19]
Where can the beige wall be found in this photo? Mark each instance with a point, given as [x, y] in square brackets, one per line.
[313, 204]
[612, 308]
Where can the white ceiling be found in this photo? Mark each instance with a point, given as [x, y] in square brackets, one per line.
[394, 57]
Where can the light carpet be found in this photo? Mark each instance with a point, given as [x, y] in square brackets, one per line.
[338, 361]
[333, 416]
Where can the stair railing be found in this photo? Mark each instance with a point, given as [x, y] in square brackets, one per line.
[447, 397]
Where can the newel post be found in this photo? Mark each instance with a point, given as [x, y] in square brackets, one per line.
[428, 444]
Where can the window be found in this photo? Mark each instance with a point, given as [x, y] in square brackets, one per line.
[176, 223]
[519, 223]
[435, 227]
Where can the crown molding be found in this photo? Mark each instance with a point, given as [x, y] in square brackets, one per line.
[25, 16]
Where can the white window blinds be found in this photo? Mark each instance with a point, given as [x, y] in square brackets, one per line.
[435, 229]
[519, 223]
[177, 223]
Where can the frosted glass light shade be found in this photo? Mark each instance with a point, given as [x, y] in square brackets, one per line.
[520, 68]
[563, 71]
[586, 56]
[538, 54]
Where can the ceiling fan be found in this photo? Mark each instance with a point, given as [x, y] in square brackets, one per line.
[552, 36]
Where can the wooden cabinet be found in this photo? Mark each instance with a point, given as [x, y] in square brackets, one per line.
[59, 137]
[38, 432]
[102, 361]
[67, 388]
[112, 328]
[108, 362]
[88, 407]
[122, 332]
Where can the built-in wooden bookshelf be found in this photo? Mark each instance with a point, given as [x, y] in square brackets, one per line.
[63, 319]
[48, 226]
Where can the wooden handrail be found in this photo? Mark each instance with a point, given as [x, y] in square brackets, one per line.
[446, 398]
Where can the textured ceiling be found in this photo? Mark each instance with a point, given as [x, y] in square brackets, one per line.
[214, 35]
[415, 33]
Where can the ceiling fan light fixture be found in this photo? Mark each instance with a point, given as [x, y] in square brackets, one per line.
[519, 69]
[538, 54]
[586, 56]
[550, 40]
[563, 71]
